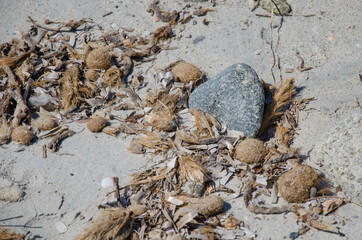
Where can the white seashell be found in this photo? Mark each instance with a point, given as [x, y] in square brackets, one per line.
[261, 180]
[107, 182]
[162, 74]
[169, 75]
[60, 226]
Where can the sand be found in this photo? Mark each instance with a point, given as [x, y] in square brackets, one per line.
[66, 186]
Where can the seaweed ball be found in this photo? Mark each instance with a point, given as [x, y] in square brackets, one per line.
[44, 123]
[96, 123]
[186, 72]
[22, 135]
[250, 150]
[91, 75]
[295, 185]
[99, 59]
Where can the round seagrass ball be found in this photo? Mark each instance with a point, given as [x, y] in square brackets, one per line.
[99, 59]
[295, 185]
[207, 206]
[91, 75]
[22, 135]
[186, 72]
[44, 123]
[96, 123]
[250, 151]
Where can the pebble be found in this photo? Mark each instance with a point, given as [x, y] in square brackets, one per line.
[60, 226]
[194, 188]
[107, 182]
[293, 235]
[235, 97]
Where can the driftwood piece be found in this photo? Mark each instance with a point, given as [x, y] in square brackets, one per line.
[266, 209]
[56, 140]
[21, 109]
[308, 219]
[162, 15]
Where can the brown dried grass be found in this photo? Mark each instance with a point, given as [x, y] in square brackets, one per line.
[281, 97]
[161, 121]
[161, 34]
[154, 140]
[112, 77]
[136, 147]
[6, 234]
[202, 122]
[165, 102]
[71, 90]
[282, 137]
[191, 170]
[113, 223]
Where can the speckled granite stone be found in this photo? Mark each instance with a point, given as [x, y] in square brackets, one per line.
[234, 97]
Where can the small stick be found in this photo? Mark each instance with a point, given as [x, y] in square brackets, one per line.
[52, 132]
[21, 108]
[107, 14]
[11, 218]
[256, 5]
[44, 151]
[116, 192]
[286, 15]
[301, 67]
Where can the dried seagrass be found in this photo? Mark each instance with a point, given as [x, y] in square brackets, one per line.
[203, 123]
[113, 223]
[154, 140]
[71, 90]
[6, 234]
[112, 77]
[136, 147]
[161, 34]
[282, 138]
[91, 75]
[281, 97]
[164, 102]
[190, 170]
[161, 121]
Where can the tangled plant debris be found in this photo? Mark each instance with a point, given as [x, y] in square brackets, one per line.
[45, 81]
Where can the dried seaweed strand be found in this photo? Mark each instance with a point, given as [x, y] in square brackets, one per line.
[281, 97]
[6, 234]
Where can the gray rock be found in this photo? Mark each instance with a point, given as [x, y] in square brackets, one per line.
[339, 156]
[234, 97]
[193, 188]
